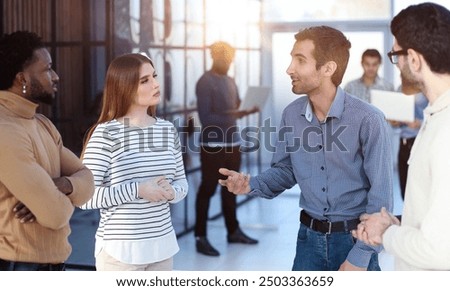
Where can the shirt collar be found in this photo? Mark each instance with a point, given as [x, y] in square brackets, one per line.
[439, 104]
[17, 104]
[336, 109]
[375, 82]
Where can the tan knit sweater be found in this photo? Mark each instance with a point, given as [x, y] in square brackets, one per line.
[31, 154]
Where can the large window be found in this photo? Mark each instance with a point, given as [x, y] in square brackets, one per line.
[326, 10]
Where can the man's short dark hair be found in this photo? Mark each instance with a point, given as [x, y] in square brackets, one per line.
[16, 53]
[426, 29]
[371, 53]
[330, 44]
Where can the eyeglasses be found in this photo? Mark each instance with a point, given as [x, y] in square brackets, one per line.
[393, 55]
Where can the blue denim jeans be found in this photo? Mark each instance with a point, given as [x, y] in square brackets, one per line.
[22, 266]
[318, 251]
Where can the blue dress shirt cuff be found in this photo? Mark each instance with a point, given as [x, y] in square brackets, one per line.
[361, 253]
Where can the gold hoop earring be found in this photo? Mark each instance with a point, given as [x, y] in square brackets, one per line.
[24, 89]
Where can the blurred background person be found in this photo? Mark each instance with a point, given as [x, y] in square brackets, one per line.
[218, 102]
[371, 62]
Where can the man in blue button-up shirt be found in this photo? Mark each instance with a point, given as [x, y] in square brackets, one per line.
[336, 148]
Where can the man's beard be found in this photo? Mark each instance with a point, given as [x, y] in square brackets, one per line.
[410, 86]
[38, 93]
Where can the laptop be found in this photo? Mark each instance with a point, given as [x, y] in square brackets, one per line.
[255, 96]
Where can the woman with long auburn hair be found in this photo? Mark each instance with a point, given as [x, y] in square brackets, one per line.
[138, 170]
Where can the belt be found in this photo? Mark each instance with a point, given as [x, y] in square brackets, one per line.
[25, 266]
[325, 226]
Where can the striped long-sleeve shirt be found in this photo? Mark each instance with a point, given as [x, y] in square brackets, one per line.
[131, 229]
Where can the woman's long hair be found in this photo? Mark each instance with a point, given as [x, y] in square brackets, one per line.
[121, 85]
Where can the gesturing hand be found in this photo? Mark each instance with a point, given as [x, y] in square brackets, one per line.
[237, 183]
